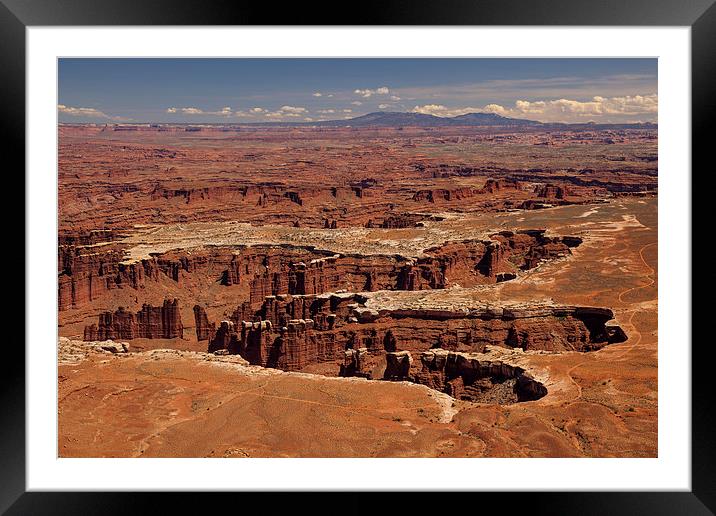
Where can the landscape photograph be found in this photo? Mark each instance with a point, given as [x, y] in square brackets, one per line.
[357, 257]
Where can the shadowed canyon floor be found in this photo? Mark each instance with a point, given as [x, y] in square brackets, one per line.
[445, 271]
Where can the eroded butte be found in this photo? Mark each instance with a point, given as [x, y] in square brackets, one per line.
[298, 292]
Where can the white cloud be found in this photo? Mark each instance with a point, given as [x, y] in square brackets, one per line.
[383, 90]
[307, 119]
[318, 94]
[257, 110]
[357, 103]
[560, 110]
[383, 106]
[89, 113]
[287, 111]
[81, 111]
[197, 111]
[394, 97]
[495, 108]
[224, 111]
[348, 111]
[326, 111]
[440, 110]
[576, 111]
[293, 109]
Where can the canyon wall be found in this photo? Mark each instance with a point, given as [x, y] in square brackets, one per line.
[87, 273]
[291, 332]
[476, 379]
[161, 322]
[204, 329]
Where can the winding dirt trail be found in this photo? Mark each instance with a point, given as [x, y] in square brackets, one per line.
[634, 330]
[652, 280]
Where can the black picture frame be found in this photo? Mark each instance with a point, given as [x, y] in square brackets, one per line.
[700, 15]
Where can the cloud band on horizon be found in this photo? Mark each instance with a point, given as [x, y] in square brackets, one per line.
[559, 110]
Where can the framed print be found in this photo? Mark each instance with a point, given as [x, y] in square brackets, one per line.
[420, 252]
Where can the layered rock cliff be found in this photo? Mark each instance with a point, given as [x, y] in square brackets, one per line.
[86, 273]
[162, 322]
[204, 329]
[477, 378]
[291, 332]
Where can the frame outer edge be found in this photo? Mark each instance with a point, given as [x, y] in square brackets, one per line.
[12, 60]
[703, 98]
[12, 141]
[372, 12]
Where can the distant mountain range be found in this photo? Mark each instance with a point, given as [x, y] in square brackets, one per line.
[408, 119]
[397, 119]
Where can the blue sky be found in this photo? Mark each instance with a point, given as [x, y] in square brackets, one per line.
[259, 90]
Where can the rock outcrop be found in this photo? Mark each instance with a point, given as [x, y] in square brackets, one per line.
[476, 378]
[445, 194]
[398, 221]
[87, 273]
[398, 365]
[163, 322]
[291, 332]
[74, 351]
[354, 363]
[497, 185]
[549, 191]
[204, 330]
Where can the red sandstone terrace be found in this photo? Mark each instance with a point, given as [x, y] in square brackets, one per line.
[91, 271]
